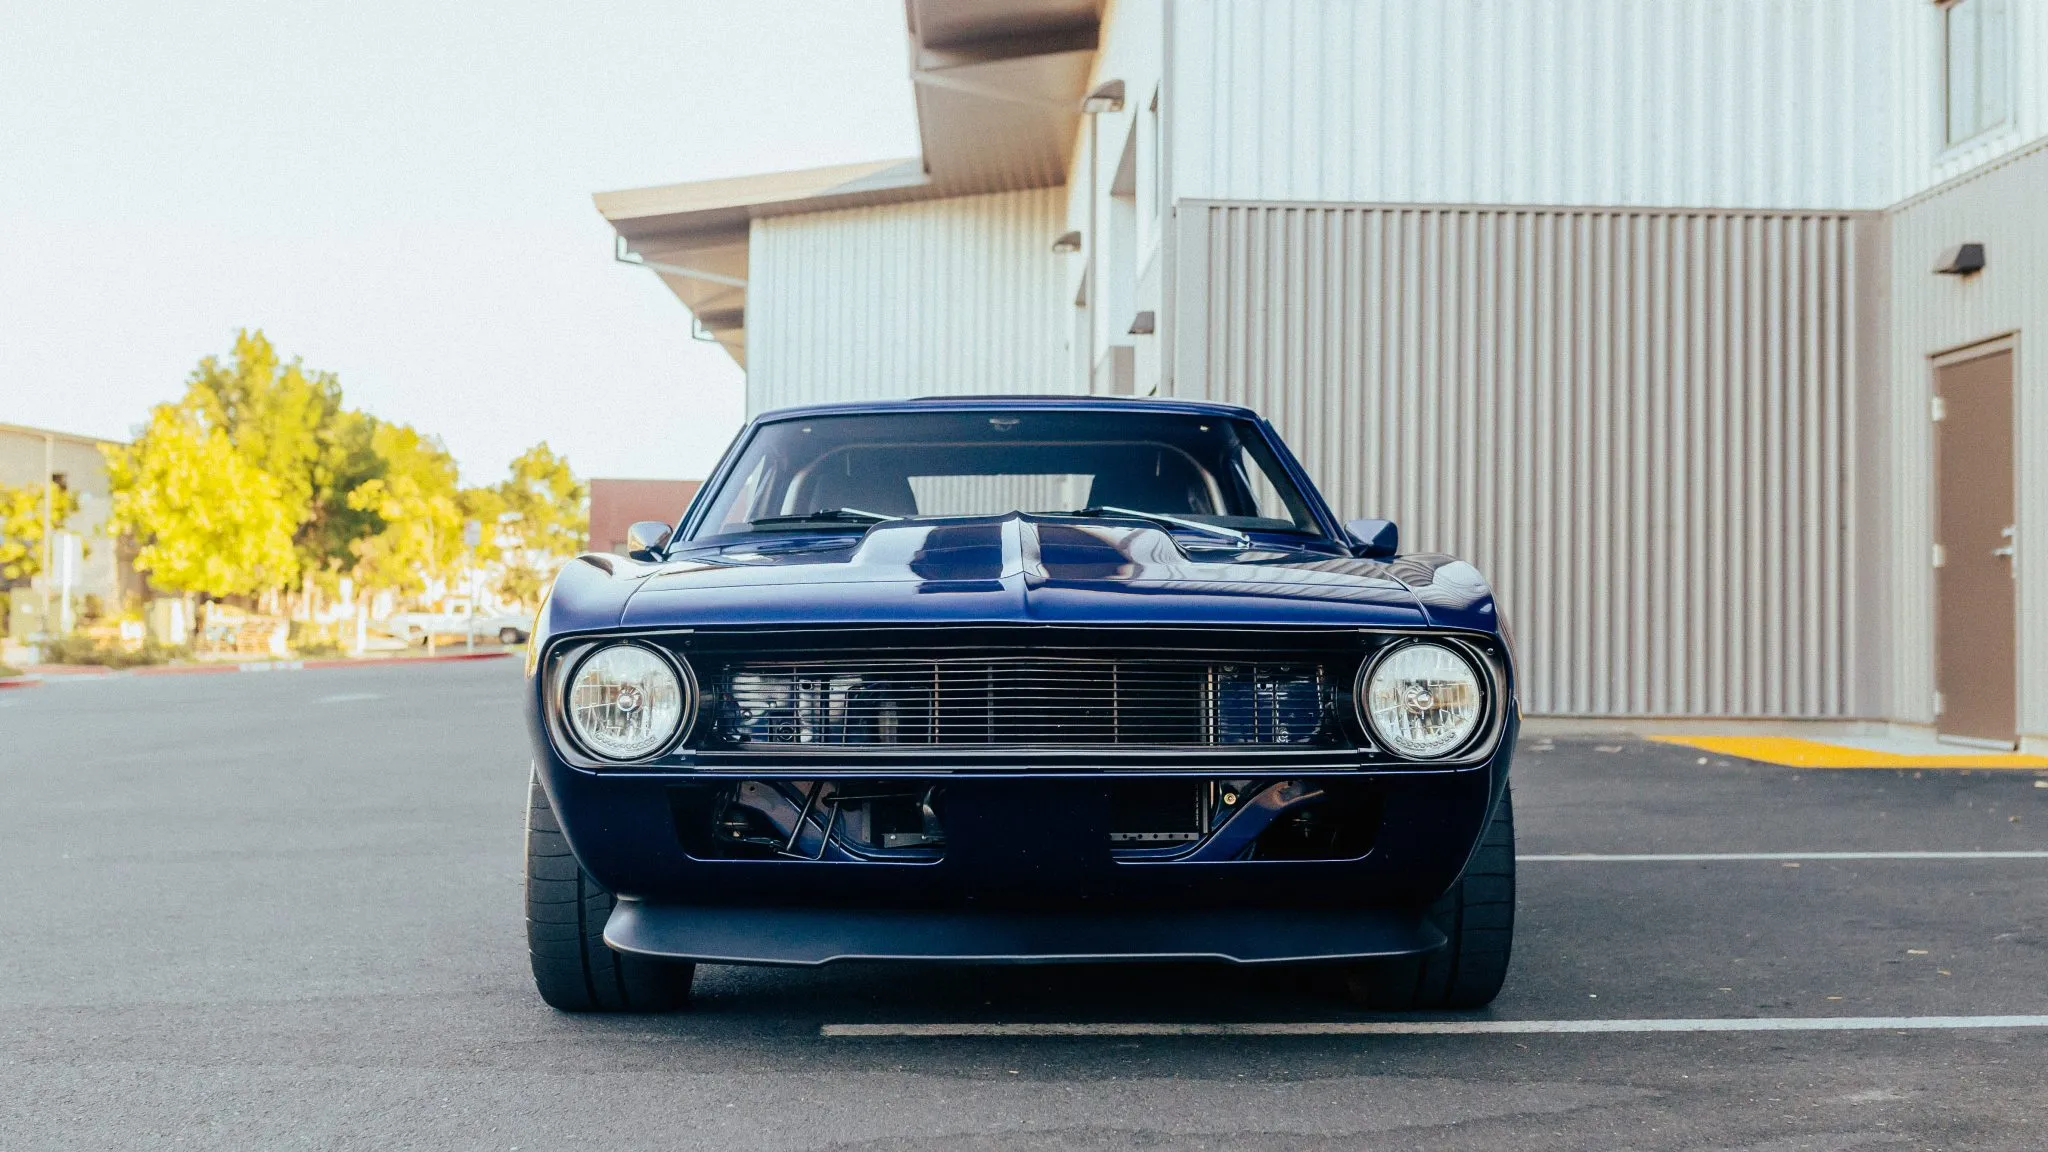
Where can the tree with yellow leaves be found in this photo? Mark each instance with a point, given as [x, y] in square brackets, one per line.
[206, 519]
[21, 528]
[417, 508]
[291, 423]
[546, 517]
[260, 475]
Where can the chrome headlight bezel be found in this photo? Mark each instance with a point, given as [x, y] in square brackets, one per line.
[568, 669]
[1486, 720]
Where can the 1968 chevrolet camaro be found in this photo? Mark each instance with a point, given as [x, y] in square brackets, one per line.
[1018, 679]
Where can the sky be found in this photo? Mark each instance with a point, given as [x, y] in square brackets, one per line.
[399, 193]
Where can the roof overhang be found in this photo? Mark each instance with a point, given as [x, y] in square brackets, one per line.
[998, 91]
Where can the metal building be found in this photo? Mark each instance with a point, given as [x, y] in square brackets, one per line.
[1635, 305]
[79, 559]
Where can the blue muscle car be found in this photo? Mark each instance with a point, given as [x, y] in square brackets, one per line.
[1018, 679]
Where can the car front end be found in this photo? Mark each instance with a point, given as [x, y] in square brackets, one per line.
[1018, 736]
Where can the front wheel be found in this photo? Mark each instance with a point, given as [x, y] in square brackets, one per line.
[509, 636]
[1477, 918]
[565, 913]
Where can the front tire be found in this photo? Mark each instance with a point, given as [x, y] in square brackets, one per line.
[1477, 918]
[565, 913]
[509, 636]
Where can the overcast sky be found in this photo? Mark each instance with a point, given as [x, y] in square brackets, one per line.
[400, 193]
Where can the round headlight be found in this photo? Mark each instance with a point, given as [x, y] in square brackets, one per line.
[626, 702]
[1422, 700]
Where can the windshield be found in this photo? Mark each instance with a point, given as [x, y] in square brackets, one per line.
[860, 469]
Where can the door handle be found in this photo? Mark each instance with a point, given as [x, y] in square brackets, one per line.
[2007, 532]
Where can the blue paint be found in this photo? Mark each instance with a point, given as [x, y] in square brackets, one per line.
[1037, 831]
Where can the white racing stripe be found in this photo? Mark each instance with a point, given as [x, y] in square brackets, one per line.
[1685, 857]
[1446, 1027]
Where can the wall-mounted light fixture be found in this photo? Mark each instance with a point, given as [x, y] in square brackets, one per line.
[1068, 243]
[1961, 260]
[1107, 96]
[1144, 323]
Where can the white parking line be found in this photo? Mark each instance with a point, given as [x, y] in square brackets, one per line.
[1446, 1027]
[1684, 857]
[348, 697]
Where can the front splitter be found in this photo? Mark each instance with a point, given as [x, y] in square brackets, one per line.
[812, 936]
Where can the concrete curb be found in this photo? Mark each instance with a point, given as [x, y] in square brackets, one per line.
[451, 658]
[95, 672]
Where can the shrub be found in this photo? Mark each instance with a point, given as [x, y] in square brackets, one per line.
[315, 639]
[78, 648]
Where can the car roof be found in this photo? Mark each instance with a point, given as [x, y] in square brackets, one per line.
[1011, 402]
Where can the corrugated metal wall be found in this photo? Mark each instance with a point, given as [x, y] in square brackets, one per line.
[956, 295]
[1922, 156]
[2002, 207]
[1638, 423]
[1709, 103]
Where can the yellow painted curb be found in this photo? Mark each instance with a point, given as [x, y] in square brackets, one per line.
[1792, 752]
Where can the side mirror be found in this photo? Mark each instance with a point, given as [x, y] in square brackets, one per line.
[1374, 539]
[644, 540]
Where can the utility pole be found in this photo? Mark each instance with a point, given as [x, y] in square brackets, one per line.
[49, 552]
[433, 553]
[472, 535]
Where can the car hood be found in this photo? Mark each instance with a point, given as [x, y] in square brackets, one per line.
[1024, 569]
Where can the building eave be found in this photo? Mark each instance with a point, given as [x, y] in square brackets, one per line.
[997, 90]
[64, 437]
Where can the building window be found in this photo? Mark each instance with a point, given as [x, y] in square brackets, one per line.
[1976, 66]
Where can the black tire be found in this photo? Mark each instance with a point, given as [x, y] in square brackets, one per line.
[509, 636]
[1477, 918]
[565, 914]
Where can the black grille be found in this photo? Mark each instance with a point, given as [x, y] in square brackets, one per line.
[1022, 700]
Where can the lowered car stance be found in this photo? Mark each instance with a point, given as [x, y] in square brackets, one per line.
[1018, 680]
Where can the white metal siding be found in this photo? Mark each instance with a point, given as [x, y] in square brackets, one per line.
[1705, 103]
[1921, 155]
[1117, 248]
[2005, 208]
[1639, 424]
[940, 296]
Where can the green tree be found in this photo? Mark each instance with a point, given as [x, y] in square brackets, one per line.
[548, 507]
[291, 424]
[522, 584]
[21, 527]
[486, 506]
[206, 519]
[546, 519]
[348, 460]
[417, 508]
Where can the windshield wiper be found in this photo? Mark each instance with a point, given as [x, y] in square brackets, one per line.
[1231, 534]
[823, 516]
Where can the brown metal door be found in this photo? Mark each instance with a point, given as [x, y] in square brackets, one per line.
[1975, 626]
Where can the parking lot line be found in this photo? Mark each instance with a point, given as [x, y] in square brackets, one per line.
[1684, 857]
[1445, 1027]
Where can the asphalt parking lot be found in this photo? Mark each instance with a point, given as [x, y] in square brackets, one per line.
[283, 910]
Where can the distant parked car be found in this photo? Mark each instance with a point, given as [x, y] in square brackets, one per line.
[1019, 679]
[417, 627]
[508, 627]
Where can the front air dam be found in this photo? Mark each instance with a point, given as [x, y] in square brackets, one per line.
[813, 936]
